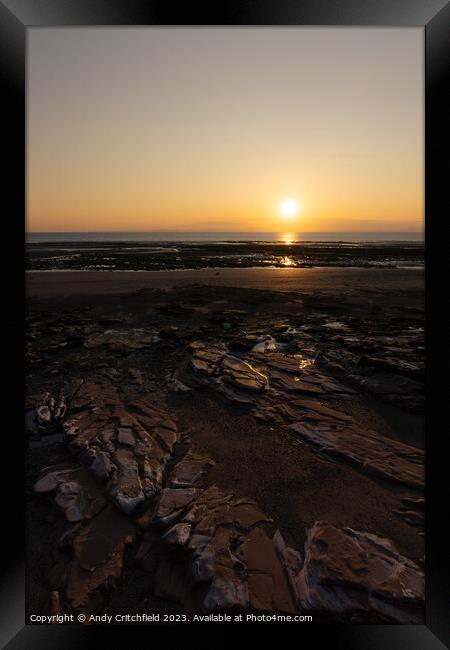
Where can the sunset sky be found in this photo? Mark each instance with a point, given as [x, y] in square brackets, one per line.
[214, 129]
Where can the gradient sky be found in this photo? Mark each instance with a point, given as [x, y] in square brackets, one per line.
[210, 128]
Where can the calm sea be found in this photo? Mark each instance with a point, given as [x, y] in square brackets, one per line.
[180, 236]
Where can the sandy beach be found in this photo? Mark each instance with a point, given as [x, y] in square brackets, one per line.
[298, 392]
[336, 280]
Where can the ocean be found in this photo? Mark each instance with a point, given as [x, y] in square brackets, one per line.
[186, 236]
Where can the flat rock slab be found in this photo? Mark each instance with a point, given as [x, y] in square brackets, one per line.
[98, 550]
[214, 363]
[93, 545]
[121, 340]
[373, 453]
[189, 470]
[353, 575]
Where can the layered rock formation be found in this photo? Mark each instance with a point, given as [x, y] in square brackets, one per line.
[353, 576]
[126, 446]
[140, 491]
[294, 392]
[93, 545]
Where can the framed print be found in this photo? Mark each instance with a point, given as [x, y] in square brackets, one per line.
[226, 246]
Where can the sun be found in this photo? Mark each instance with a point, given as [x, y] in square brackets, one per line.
[289, 208]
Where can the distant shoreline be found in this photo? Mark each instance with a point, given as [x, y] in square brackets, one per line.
[223, 237]
[164, 256]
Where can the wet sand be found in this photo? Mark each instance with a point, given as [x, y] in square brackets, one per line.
[337, 280]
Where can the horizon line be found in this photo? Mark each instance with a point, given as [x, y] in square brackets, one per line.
[303, 232]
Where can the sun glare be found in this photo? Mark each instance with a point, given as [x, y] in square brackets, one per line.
[289, 208]
[288, 238]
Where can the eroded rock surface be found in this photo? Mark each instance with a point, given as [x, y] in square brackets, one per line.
[125, 445]
[121, 340]
[44, 414]
[94, 543]
[371, 452]
[225, 551]
[299, 395]
[216, 365]
[74, 493]
[353, 575]
[291, 362]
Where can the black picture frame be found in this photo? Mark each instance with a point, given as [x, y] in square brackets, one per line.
[16, 18]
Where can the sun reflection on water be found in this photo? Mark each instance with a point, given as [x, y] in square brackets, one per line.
[289, 238]
[287, 261]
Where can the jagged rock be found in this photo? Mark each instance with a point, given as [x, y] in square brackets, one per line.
[75, 494]
[242, 375]
[228, 550]
[128, 491]
[47, 415]
[125, 445]
[174, 384]
[52, 477]
[372, 452]
[178, 535]
[267, 345]
[189, 470]
[205, 548]
[93, 547]
[268, 584]
[101, 537]
[209, 362]
[101, 466]
[173, 501]
[352, 575]
[315, 410]
[291, 561]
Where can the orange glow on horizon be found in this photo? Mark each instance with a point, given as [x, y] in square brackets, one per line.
[257, 136]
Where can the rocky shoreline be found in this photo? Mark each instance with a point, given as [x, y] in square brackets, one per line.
[210, 449]
[160, 256]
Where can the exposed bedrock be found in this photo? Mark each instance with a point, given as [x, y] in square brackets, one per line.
[93, 544]
[372, 453]
[44, 414]
[353, 575]
[300, 396]
[125, 445]
[210, 364]
[218, 551]
[209, 550]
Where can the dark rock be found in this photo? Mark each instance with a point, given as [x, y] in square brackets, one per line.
[373, 453]
[126, 445]
[73, 492]
[355, 576]
[189, 470]
[227, 550]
